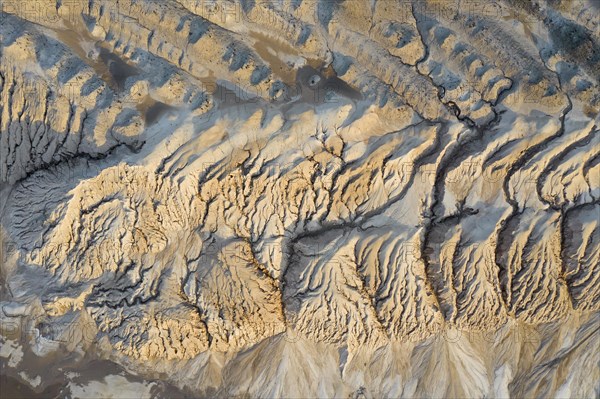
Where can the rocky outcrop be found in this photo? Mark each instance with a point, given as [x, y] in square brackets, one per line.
[260, 194]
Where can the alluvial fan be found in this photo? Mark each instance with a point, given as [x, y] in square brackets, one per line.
[300, 198]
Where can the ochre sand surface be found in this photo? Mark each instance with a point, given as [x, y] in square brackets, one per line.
[300, 198]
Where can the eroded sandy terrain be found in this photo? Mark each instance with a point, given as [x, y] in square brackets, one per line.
[300, 198]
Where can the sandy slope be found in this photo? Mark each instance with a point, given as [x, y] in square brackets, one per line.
[301, 198]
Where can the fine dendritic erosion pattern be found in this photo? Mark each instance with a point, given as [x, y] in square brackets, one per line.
[300, 198]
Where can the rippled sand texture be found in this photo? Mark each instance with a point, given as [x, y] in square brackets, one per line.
[300, 198]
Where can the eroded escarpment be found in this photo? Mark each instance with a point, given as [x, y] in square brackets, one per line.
[250, 195]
